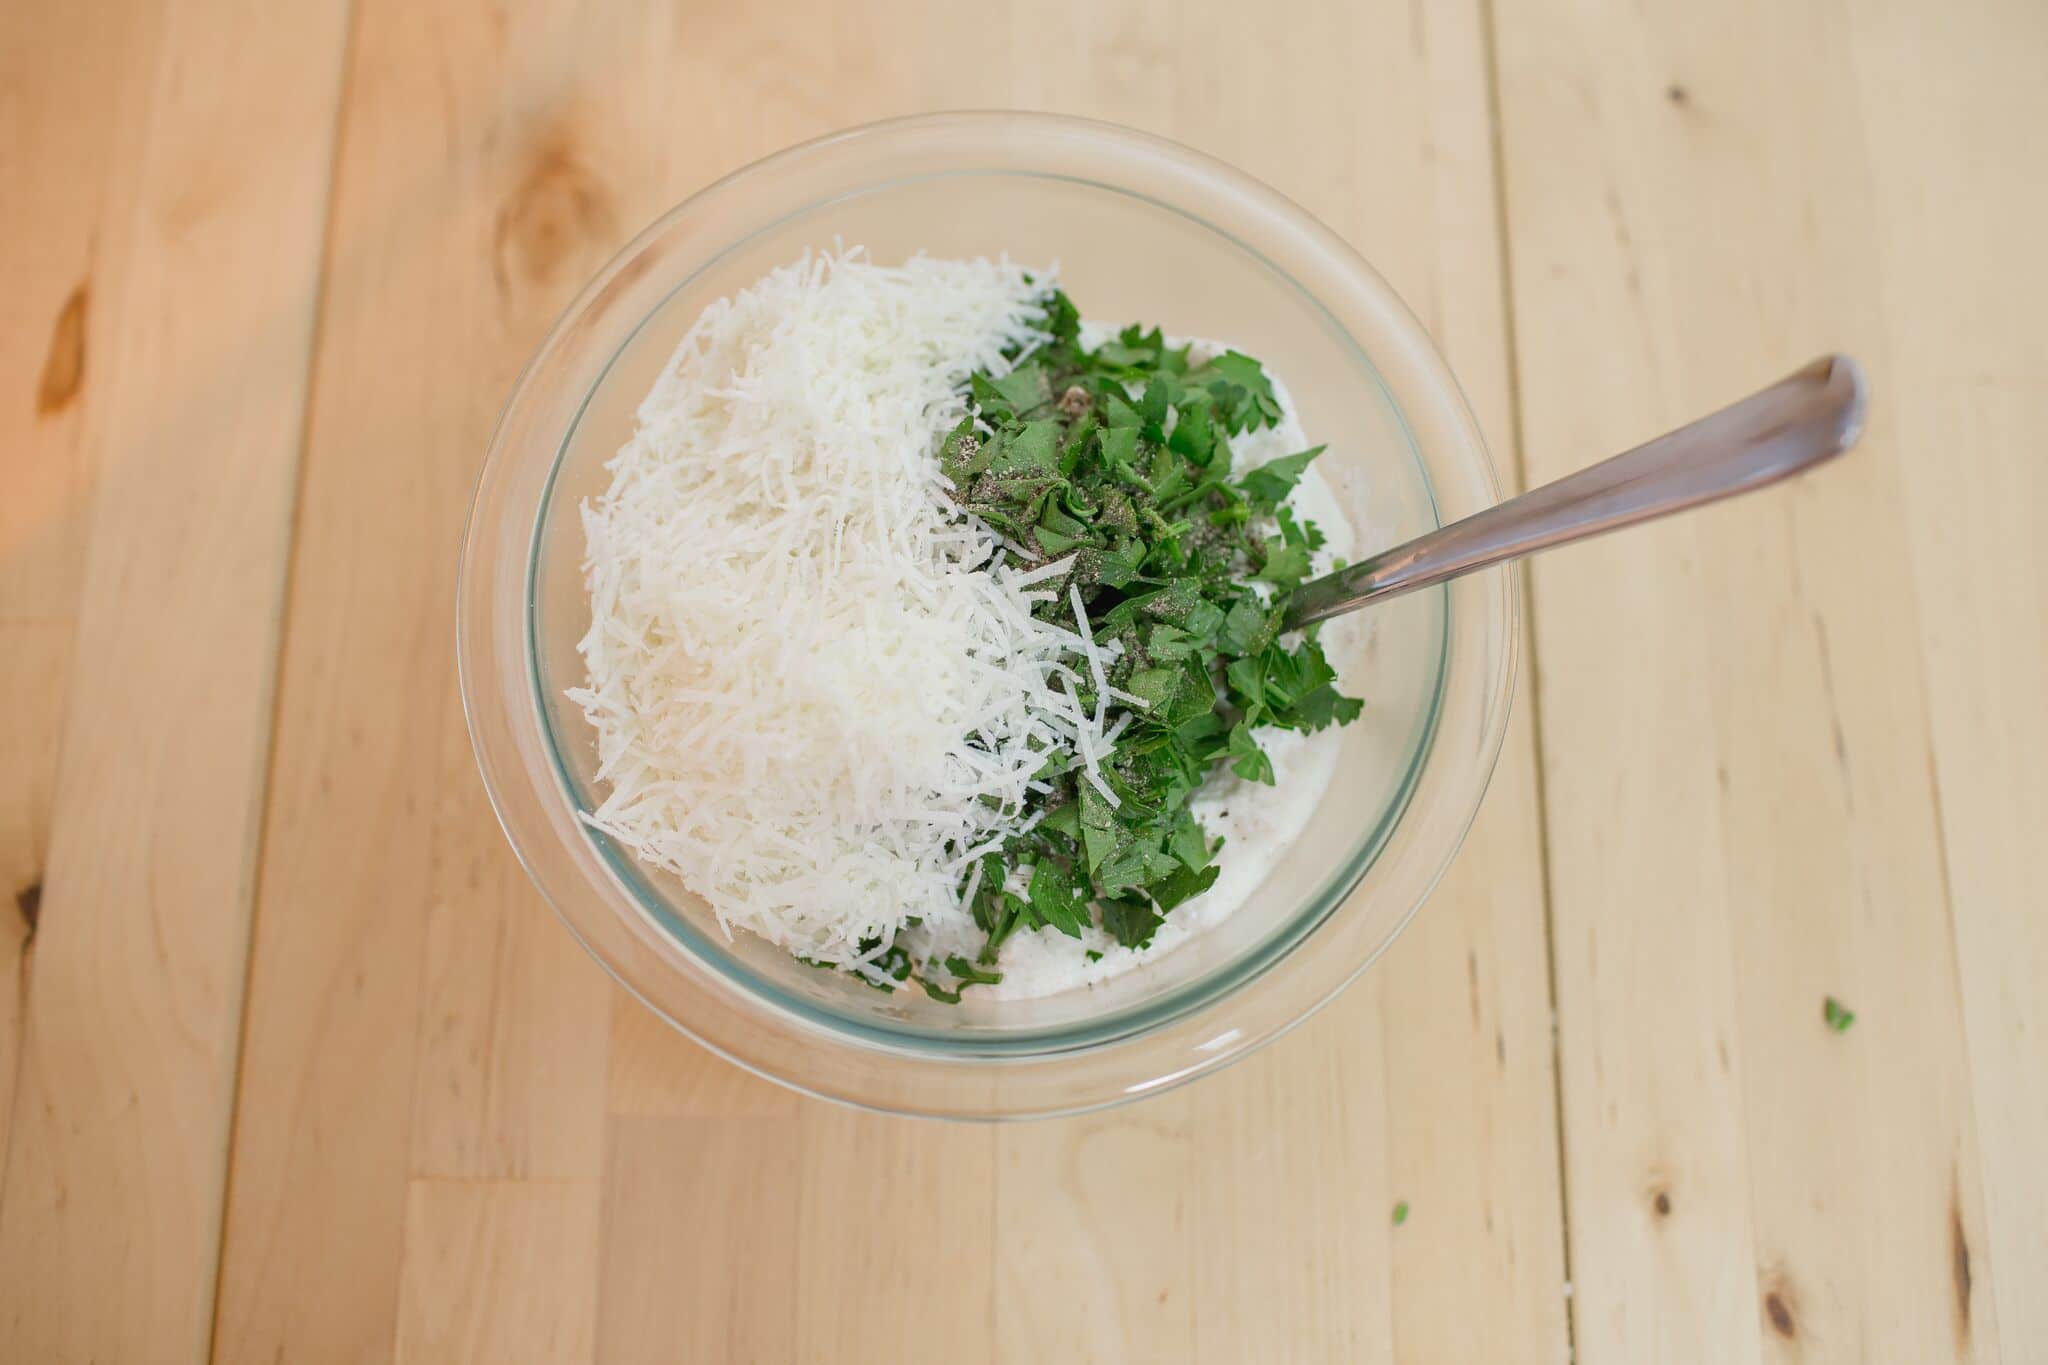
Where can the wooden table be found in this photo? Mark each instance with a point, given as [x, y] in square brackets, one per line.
[295, 1066]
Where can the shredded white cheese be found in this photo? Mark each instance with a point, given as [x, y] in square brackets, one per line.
[818, 691]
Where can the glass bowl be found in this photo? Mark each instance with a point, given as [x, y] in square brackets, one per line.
[1141, 230]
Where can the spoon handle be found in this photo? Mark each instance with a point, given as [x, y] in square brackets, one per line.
[1809, 416]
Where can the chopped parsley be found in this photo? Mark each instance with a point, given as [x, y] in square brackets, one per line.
[1115, 461]
[1400, 1213]
[1837, 1015]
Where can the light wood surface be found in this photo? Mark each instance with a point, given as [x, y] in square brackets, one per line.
[191, 377]
[1741, 790]
[295, 1066]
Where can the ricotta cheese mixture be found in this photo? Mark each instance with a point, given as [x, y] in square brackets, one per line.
[820, 693]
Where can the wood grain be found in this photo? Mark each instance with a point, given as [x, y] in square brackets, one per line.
[513, 1014]
[1781, 750]
[937, 1283]
[1096, 1255]
[474, 1249]
[119, 1149]
[1741, 816]
[412, 1010]
[1952, 117]
[701, 1251]
[68, 168]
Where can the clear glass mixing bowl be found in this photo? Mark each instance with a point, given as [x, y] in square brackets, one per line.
[1141, 229]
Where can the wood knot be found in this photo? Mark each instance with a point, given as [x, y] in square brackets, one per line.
[64, 364]
[1959, 1263]
[557, 210]
[1678, 94]
[29, 901]
[1780, 1304]
[1660, 1200]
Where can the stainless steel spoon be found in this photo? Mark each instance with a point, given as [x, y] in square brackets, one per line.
[1802, 420]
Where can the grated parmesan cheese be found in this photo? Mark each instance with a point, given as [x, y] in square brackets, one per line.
[818, 692]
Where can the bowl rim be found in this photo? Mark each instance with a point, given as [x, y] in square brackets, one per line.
[989, 1077]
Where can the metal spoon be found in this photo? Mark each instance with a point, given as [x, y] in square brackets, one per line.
[1802, 420]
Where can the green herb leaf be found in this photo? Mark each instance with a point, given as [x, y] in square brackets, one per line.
[1063, 820]
[1116, 567]
[1184, 885]
[1193, 436]
[1034, 446]
[963, 454]
[1058, 902]
[1130, 921]
[1248, 627]
[1252, 764]
[1247, 679]
[970, 973]
[1188, 843]
[1020, 391]
[1242, 391]
[1286, 565]
[1837, 1015]
[1153, 405]
[1136, 863]
[1325, 706]
[1269, 484]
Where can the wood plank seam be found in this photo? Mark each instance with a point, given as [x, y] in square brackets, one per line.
[1526, 604]
[115, 1210]
[1968, 1277]
[274, 699]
